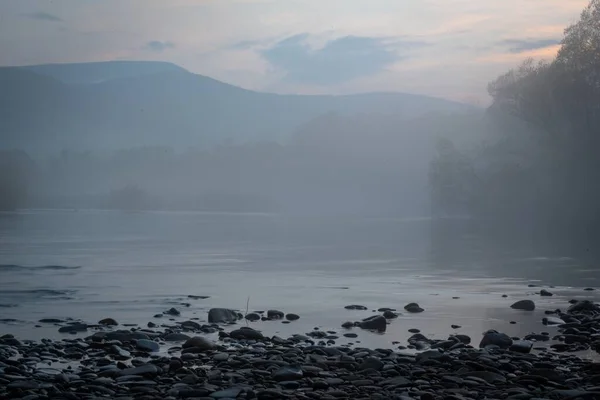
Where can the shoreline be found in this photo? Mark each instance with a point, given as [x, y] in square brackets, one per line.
[176, 360]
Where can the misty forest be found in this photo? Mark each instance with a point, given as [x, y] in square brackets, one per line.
[143, 135]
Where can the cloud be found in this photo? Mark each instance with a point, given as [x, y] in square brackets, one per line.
[42, 16]
[521, 46]
[158, 46]
[339, 60]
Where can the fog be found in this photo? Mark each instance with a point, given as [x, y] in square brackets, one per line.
[153, 136]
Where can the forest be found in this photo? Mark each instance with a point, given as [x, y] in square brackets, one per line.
[542, 179]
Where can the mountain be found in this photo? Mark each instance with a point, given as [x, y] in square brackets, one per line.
[124, 104]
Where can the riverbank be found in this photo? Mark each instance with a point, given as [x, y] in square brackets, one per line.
[174, 358]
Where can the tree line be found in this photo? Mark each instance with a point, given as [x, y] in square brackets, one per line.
[542, 178]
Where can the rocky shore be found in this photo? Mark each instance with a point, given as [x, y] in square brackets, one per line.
[174, 359]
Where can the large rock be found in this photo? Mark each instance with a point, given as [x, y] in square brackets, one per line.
[246, 333]
[149, 346]
[521, 346]
[108, 322]
[223, 315]
[494, 338]
[288, 373]
[524, 305]
[199, 342]
[275, 314]
[413, 308]
[376, 322]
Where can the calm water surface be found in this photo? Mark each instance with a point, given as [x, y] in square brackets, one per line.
[129, 266]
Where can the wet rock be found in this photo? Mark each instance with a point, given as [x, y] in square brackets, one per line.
[389, 314]
[495, 338]
[546, 293]
[413, 308]
[175, 337]
[147, 345]
[371, 363]
[195, 297]
[275, 314]
[108, 322]
[173, 311]
[376, 322]
[71, 328]
[199, 342]
[524, 305]
[348, 325]
[292, 317]
[552, 321]
[355, 307]
[521, 346]
[148, 370]
[252, 317]
[223, 315]
[51, 321]
[288, 373]
[246, 333]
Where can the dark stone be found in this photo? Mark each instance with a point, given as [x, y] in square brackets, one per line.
[230, 393]
[51, 321]
[348, 325]
[292, 317]
[147, 345]
[494, 338]
[546, 293]
[376, 322]
[252, 317]
[521, 346]
[199, 342]
[191, 325]
[275, 314]
[389, 314]
[149, 370]
[524, 305]
[108, 321]
[175, 337]
[246, 333]
[77, 327]
[194, 297]
[173, 311]
[288, 373]
[222, 315]
[371, 363]
[413, 308]
[355, 307]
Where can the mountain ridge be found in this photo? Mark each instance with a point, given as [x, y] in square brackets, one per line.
[120, 104]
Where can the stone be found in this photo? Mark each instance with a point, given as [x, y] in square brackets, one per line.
[376, 322]
[494, 338]
[108, 322]
[288, 373]
[173, 311]
[524, 305]
[223, 315]
[355, 307]
[521, 346]
[292, 317]
[545, 293]
[275, 314]
[190, 325]
[413, 308]
[552, 321]
[252, 317]
[246, 333]
[194, 297]
[175, 337]
[199, 342]
[371, 363]
[230, 393]
[77, 327]
[389, 314]
[148, 370]
[147, 345]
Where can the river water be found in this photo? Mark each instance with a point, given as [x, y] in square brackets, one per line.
[130, 266]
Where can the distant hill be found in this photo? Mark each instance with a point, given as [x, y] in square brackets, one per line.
[124, 104]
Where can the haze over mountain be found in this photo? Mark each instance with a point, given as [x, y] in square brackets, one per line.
[122, 104]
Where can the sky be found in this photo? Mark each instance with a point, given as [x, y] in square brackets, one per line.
[443, 48]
